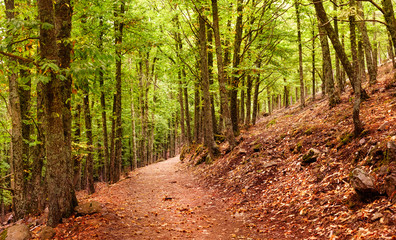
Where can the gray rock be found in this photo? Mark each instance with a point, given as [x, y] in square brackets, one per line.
[18, 232]
[363, 183]
[47, 233]
[88, 208]
[310, 156]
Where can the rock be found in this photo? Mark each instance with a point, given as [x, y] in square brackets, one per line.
[310, 156]
[270, 164]
[18, 232]
[362, 141]
[390, 186]
[257, 147]
[391, 151]
[88, 208]
[242, 151]
[47, 233]
[376, 216]
[363, 183]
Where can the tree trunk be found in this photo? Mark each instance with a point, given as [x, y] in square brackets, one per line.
[390, 20]
[241, 115]
[208, 131]
[286, 94]
[187, 109]
[367, 45]
[235, 65]
[313, 64]
[182, 112]
[134, 151]
[340, 85]
[210, 67]
[77, 158]
[327, 67]
[59, 185]
[37, 202]
[249, 86]
[361, 64]
[321, 13]
[358, 126]
[103, 108]
[197, 113]
[300, 54]
[17, 144]
[117, 155]
[256, 94]
[88, 131]
[221, 78]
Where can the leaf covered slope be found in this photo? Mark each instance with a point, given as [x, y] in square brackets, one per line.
[267, 183]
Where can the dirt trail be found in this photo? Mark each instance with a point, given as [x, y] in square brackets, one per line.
[161, 201]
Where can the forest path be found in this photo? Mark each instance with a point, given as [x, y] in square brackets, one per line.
[161, 201]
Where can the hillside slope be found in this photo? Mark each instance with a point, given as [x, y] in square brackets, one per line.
[266, 182]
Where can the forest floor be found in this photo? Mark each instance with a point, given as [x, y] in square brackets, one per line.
[267, 182]
[260, 189]
[160, 201]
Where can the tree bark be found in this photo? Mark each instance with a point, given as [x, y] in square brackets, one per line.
[327, 67]
[241, 115]
[134, 151]
[249, 86]
[77, 158]
[390, 20]
[339, 81]
[103, 108]
[17, 145]
[313, 63]
[210, 67]
[344, 60]
[256, 94]
[358, 126]
[187, 109]
[300, 56]
[208, 131]
[59, 187]
[117, 153]
[367, 45]
[235, 64]
[88, 131]
[37, 201]
[197, 113]
[221, 78]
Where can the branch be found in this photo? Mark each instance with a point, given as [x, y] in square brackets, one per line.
[1, 179]
[201, 15]
[368, 20]
[375, 4]
[27, 60]
[19, 41]
[5, 128]
[6, 103]
[8, 189]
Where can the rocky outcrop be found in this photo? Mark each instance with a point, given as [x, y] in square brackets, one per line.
[363, 183]
[88, 208]
[310, 156]
[47, 233]
[16, 232]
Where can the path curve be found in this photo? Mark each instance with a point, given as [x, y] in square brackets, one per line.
[163, 201]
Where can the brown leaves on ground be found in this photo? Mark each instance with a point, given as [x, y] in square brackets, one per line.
[264, 179]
